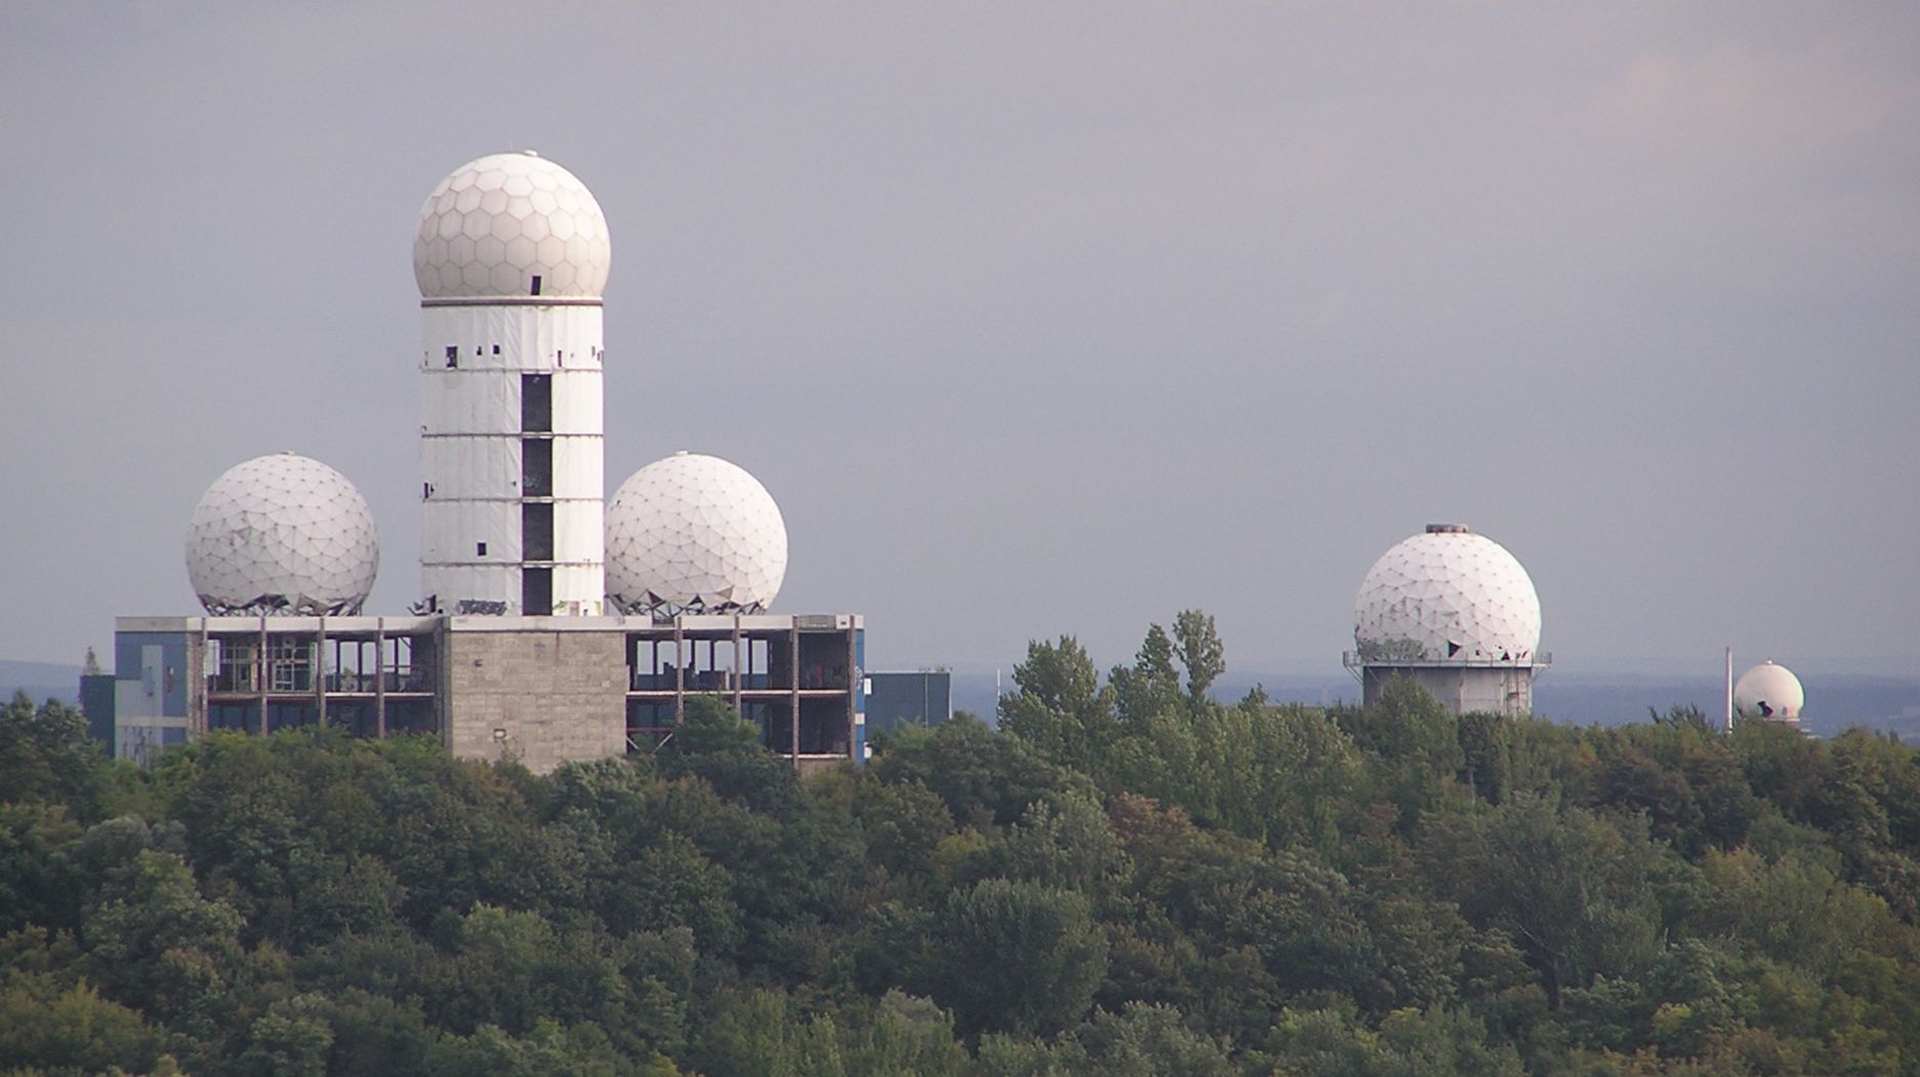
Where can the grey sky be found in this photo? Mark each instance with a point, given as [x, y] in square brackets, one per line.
[1034, 318]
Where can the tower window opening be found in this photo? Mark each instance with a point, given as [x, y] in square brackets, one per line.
[536, 284]
[536, 467]
[480, 549]
[536, 403]
[453, 356]
[536, 592]
[496, 349]
[536, 531]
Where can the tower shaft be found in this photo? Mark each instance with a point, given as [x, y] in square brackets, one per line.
[511, 456]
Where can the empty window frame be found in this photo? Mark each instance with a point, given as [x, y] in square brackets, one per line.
[536, 531]
[536, 590]
[536, 284]
[536, 467]
[536, 403]
[453, 356]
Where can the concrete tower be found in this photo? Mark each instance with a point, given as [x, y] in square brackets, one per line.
[1456, 613]
[511, 257]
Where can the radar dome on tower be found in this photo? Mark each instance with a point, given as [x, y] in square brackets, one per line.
[694, 533]
[511, 224]
[282, 534]
[1769, 691]
[1447, 595]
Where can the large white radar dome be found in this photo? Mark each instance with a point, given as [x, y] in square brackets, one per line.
[1447, 595]
[282, 534]
[694, 534]
[1769, 691]
[511, 224]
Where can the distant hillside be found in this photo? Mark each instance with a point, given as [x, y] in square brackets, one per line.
[40, 680]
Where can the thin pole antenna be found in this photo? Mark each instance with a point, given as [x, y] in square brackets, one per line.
[1729, 714]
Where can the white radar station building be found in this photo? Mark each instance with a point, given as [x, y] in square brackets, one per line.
[1769, 692]
[511, 256]
[1457, 614]
[282, 535]
[514, 650]
[694, 534]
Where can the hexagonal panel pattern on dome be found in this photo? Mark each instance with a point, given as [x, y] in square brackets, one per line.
[1450, 595]
[694, 534]
[494, 224]
[282, 534]
[1769, 691]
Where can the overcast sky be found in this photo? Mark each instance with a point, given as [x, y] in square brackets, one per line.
[1035, 318]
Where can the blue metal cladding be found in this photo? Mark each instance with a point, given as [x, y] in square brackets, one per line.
[96, 702]
[860, 697]
[915, 698]
[173, 672]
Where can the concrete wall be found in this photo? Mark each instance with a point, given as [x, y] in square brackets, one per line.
[541, 697]
[1461, 689]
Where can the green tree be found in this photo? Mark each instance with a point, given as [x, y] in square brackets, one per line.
[156, 943]
[1151, 686]
[46, 755]
[1198, 644]
[47, 1027]
[985, 778]
[1018, 956]
[717, 745]
[1060, 708]
[1572, 889]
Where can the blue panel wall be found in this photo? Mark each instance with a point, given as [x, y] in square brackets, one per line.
[173, 661]
[909, 699]
[859, 697]
[96, 702]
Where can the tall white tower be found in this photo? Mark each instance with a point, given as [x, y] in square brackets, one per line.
[512, 258]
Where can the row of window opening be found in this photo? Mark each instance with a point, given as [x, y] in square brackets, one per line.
[559, 355]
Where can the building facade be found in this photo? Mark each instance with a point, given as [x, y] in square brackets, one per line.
[541, 691]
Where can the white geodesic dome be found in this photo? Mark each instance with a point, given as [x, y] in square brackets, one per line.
[694, 534]
[1447, 595]
[1769, 691]
[496, 223]
[282, 534]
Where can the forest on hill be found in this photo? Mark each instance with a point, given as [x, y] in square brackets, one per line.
[1126, 877]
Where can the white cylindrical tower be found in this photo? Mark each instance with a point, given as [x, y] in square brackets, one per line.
[512, 258]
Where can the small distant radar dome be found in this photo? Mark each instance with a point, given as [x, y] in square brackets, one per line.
[1444, 595]
[694, 534]
[1769, 691]
[511, 224]
[282, 534]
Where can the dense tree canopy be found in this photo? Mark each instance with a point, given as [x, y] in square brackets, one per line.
[1125, 877]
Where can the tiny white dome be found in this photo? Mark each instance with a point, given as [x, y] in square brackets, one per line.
[497, 223]
[1769, 691]
[1447, 595]
[282, 534]
[694, 534]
